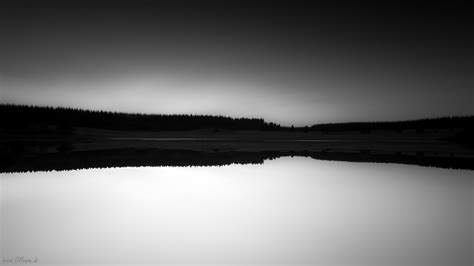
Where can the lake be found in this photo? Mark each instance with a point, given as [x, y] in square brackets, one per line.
[286, 211]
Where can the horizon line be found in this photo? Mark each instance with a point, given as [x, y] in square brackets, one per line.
[225, 116]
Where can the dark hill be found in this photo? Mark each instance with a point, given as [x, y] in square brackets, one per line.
[24, 118]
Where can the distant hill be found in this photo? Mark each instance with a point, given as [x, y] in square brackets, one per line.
[455, 122]
[17, 118]
[22, 117]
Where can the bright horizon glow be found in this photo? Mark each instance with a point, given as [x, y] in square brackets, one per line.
[169, 94]
[288, 63]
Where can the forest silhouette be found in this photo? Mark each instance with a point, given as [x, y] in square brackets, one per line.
[70, 160]
[24, 117]
[45, 138]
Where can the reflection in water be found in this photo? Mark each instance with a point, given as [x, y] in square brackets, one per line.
[128, 157]
[289, 210]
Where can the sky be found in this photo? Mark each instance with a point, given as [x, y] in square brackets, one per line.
[293, 62]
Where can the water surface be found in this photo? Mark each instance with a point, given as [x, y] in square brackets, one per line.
[286, 211]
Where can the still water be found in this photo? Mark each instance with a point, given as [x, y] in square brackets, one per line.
[286, 211]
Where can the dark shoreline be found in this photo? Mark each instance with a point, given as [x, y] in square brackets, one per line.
[180, 158]
[45, 152]
[44, 138]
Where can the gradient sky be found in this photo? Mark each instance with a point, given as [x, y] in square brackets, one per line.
[288, 62]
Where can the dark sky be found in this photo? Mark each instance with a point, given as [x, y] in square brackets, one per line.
[292, 62]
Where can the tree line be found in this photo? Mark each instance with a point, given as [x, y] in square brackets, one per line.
[25, 117]
[453, 122]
